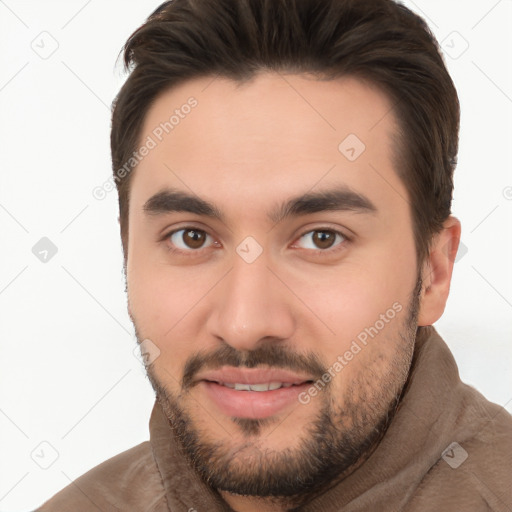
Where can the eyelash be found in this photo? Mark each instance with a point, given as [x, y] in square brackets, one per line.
[315, 252]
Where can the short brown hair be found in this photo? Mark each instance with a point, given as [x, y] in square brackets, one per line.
[379, 41]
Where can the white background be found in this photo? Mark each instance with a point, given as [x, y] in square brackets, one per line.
[68, 374]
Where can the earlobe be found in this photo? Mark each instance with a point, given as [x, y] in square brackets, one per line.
[437, 272]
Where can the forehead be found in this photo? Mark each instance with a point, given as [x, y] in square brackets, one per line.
[273, 136]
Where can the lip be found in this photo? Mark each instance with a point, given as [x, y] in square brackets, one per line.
[231, 375]
[252, 404]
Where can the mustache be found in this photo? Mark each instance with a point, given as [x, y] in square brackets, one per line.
[272, 354]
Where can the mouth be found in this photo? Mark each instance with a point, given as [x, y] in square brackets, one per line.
[253, 392]
[259, 387]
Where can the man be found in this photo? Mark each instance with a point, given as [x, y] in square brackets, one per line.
[285, 172]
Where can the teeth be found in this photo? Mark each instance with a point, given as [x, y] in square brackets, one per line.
[267, 386]
[242, 387]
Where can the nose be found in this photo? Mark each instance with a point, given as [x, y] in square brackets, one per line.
[251, 306]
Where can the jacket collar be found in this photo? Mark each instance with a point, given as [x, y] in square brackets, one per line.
[422, 428]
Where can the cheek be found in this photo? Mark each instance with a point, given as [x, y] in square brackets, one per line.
[364, 307]
[156, 307]
[378, 287]
[159, 294]
[344, 303]
[164, 304]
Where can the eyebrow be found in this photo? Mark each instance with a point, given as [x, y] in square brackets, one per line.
[341, 198]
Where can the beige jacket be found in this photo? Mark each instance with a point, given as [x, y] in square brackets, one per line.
[415, 468]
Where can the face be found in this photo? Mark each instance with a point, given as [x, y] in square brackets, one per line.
[271, 271]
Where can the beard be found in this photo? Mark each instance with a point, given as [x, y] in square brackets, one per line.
[337, 441]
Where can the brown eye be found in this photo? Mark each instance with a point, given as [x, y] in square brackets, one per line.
[321, 239]
[188, 239]
[194, 239]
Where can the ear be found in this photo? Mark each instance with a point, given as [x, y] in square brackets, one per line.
[437, 272]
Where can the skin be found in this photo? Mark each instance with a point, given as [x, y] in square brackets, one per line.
[247, 148]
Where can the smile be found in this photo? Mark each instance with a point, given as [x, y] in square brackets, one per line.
[265, 386]
[255, 393]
